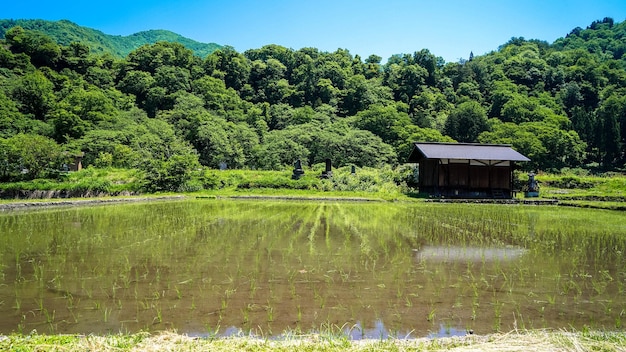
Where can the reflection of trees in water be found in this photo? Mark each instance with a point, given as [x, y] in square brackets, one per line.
[378, 268]
[468, 254]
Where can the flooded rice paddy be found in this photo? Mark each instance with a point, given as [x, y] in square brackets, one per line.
[221, 267]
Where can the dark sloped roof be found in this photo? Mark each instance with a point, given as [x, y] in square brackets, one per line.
[464, 151]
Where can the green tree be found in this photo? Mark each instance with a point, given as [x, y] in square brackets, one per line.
[412, 134]
[137, 83]
[564, 147]
[11, 120]
[268, 81]
[75, 57]
[218, 99]
[169, 175]
[373, 67]
[278, 151]
[91, 105]
[173, 78]
[466, 122]
[18, 62]
[610, 113]
[114, 143]
[521, 109]
[583, 122]
[41, 49]
[386, 122]
[150, 57]
[186, 115]
[501, 93]
[231, 66]
[522, 140]
[344, 145]
[527, 67]
[548, 146]
[34, 94]
[67, 125]
[30, 156]
[361, 93]
[219, 141]
[405, 78]
[428, 61]
[571, 96]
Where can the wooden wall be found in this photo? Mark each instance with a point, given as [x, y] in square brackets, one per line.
[465, 176]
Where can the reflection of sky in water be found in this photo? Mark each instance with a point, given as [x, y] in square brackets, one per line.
[378, 332]
[446, 331]
[463, 254]
[354, 332]
[357, 332]
[231, 331]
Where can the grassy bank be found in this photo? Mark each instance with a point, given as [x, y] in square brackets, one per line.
[514, 341]
[385, 183]
[607, 191]
[572, 188]
[90, 182]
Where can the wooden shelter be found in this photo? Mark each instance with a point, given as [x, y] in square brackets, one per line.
[466, 170]
[77, 162]
[74, 162]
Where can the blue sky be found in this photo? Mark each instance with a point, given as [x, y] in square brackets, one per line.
[448, 28]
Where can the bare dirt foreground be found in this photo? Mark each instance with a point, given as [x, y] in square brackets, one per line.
[535, 340]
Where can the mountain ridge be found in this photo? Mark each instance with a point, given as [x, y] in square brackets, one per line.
[65, 32]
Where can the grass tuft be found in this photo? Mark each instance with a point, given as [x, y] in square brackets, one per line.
[531, 340]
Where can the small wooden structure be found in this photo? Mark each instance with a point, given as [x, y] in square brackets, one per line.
[466, 170]
[77, 165]
[74, 161]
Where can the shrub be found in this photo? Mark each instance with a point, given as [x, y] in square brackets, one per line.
[570, 182]
[191, 186]
[29, 156]
[168, 175]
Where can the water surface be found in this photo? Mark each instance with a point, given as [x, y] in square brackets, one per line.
[220, 267]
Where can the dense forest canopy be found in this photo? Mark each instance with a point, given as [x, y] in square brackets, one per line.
[65, 33]
[165, 110]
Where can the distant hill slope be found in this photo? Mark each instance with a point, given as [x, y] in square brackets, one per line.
[65, 32]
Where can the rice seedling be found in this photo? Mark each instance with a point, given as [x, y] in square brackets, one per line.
[458, 265]
[431, 315]
[245, 312]
[18, 302]
[159, 315]
[497, 323]
[270, 313]
[40, 305]
[49, 315]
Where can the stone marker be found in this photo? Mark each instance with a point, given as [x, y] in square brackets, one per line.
[328, 173]
[297, 170]
[532, 187]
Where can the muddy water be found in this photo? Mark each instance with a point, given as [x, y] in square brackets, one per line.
[216, 267]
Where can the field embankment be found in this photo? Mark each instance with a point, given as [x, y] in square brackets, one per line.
[605, 191]
[385, 183]
[537, 340]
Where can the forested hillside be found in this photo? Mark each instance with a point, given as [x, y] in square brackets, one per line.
[65, 32]
[164, 110]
